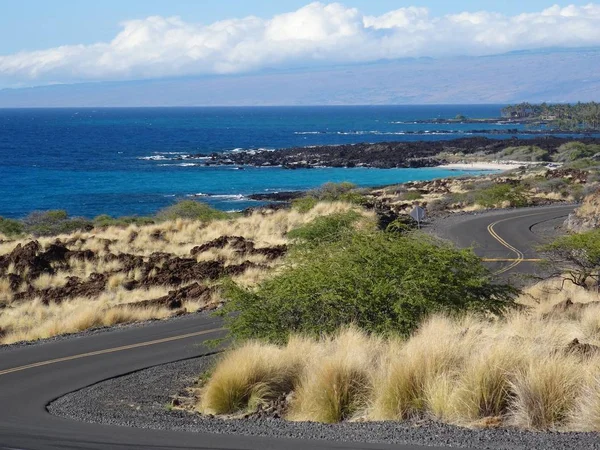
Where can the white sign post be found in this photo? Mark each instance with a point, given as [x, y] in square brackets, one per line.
[418, 214]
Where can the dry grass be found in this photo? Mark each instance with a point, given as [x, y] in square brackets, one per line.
[252, 374]
[339, 383]
[546, 391]
[32, 319]
[469, 371]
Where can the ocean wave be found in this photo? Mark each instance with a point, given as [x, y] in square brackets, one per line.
[382, 133]
[228, 196]
[250, 151]
[166, 156]
[179, 165]
[154, 158]
[219, 196]
[171, 153]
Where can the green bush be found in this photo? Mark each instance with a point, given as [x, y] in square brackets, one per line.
[525, 153]
[54, 222]
[343, 192]
[575, 257]
[104, 220]
[193, 210]
[498, 194]
[325, 229]
[583, 164]
[402, 224]
[380, 282]
[412, 195]
[304, 204]
[572, 151]
[11, 227]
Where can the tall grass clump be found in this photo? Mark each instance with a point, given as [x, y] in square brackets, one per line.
[484, 386]
[252, 374]
[409, 383]
[522, 369]
[586, 414]
[339, 382]
[545, 392]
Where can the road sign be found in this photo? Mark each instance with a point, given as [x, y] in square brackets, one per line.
[418, 213]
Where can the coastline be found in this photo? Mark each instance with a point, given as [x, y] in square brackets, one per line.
[486, 166]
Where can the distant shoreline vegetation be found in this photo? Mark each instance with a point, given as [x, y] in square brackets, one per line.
[569, 117]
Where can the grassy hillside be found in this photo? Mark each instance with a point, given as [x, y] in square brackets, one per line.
[116, 272]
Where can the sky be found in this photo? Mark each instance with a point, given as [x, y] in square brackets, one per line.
[67, 41]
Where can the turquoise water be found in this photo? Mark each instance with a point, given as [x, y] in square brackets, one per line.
[124, 161]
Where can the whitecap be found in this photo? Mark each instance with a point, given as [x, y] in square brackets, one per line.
[154, 158]
[229, 196]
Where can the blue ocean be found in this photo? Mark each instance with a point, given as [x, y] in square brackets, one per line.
[127, 161]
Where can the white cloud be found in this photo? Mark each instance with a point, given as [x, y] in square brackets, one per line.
[317, 34]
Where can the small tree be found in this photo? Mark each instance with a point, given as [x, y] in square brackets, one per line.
[575, 258]
[380, 282]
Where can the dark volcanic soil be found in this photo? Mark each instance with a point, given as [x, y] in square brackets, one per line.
[382, 155]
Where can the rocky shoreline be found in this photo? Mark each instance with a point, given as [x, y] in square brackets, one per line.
[383, 155]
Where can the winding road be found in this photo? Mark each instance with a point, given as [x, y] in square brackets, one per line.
[507, 240]
[32, 376]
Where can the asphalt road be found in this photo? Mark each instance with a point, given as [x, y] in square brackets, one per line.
[507, 240]
[33, 376]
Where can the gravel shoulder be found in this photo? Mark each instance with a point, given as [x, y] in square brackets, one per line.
[141, 400]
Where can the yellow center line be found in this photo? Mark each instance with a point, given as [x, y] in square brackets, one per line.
[109, 350]
[520, 256]
[510, 259]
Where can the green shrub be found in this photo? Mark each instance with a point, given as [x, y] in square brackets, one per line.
[572, 151]
[402, 224]
[331, 191]
[379, 282]
[11, 227]
[343, 192]
[575, 257]
[104, 220]
[54, 222]
[304, 204]
[583, 164]
[525, 153]
[193, 210]
[498, 194]
[325, 229]
[412, 196]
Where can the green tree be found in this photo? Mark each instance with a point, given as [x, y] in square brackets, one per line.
[380, 282]
[575, 258]
[54, 222]
[11, 227]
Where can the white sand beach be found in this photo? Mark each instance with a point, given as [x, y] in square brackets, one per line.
[492, 166]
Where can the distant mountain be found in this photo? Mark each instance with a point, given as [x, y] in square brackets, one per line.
[555, 75]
